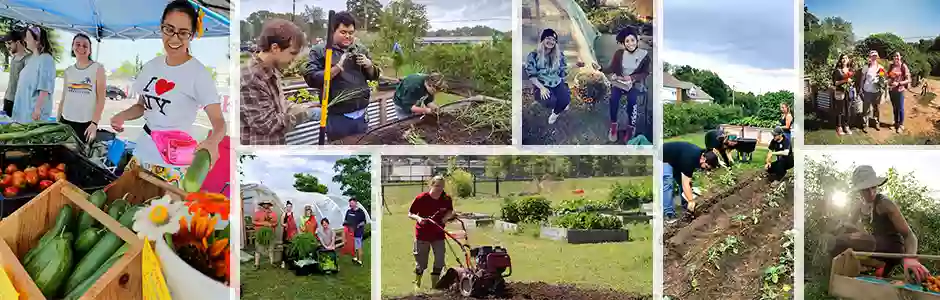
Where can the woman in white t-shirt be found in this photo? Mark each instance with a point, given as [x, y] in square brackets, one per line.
[172, 89]
[83, 90]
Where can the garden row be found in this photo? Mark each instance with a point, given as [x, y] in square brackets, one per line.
[579, 220]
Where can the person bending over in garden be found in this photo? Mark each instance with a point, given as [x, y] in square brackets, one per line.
[890, 232]
[843, 78]
[899, 76]
[266, 115]
[415, 94]
[629, 66]
[349, 89]
[680, 161]
[781, 148]
[355, 223]
[264, 218]
[430, 210]
[546, 69]
[716, 141]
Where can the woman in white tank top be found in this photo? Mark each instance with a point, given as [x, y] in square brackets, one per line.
[83, 91]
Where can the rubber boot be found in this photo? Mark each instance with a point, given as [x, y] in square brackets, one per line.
[417, 281]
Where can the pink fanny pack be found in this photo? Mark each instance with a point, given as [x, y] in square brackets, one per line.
[176, 147]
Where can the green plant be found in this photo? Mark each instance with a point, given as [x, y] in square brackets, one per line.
[264, 236]
[303, 96]
[716, 252]
[495, 116]
[296, 67]
[773, 285]
[632, 195]
[460, 183]
[529, 209]
[413, 137]
[582, 205]
[588, 220]
[726, 178]
[484, 66]
[303, 245]
[685, 118]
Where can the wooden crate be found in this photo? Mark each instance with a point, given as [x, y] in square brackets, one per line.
[22, 230]
[842, 282]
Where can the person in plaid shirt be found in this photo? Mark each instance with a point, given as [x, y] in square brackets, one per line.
[266, 116]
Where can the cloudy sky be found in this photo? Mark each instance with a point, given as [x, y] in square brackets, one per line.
[922, 163]
[443, 14]
[750, 46]
[909, 19]
[276, 171]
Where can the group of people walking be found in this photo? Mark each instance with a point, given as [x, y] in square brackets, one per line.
[546, 69]
[164, 104]
[869, 82]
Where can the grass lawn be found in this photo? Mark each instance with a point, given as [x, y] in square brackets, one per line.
[626, 266]
[272, 282]
[829, 137]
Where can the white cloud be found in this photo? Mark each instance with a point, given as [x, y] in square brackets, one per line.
[743, 78]
[919, 162]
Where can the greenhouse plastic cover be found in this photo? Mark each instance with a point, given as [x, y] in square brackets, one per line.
[114, 19]
[332, 207]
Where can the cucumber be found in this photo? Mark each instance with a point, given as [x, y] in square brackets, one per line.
[117, 208]
[88, 282]
[197, 171]
[62, 221]
[99, 253]
[51, 266]
[85, 220]
[88, 239]
[34, 132]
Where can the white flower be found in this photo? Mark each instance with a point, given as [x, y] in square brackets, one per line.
[159, 218]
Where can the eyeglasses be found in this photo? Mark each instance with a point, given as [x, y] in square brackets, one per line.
[169, 30]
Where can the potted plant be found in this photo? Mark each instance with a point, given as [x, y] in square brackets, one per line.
[302, 253]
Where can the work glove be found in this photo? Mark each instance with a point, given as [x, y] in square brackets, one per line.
[914, 266]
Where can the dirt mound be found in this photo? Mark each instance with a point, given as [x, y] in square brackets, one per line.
[536, 291]
[747, 222]
[445, 128]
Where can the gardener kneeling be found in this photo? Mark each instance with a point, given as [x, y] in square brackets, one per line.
[781, 148]
[327, 250]
[716, 141]
[415, 94]
[680, 161]
[890, 232]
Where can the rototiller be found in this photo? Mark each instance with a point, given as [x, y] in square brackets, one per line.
[482, 273]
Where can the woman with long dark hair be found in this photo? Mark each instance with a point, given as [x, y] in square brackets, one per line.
[37, 79]
[899, 80]
[546, 69]
[786, 119]
[629, 66]
[843, 77]
[83, 91]
[173, 88]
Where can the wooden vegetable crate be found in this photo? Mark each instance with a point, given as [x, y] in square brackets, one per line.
[22, 230]
[844, 284]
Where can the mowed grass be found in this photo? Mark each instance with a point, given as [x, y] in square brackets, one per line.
[829, 137]
[272, 282]
[626, 266]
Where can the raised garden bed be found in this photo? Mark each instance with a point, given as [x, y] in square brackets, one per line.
[474, 121]
[584, 236]
[472, 220]
[504, 226]
[536, 291]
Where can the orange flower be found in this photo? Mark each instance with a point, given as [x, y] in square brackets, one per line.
[881, 72]
[208, 203]
[218, 247]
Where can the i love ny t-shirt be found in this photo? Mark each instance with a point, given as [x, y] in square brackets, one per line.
[172, 96]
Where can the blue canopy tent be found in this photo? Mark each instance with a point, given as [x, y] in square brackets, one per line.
[111, 19]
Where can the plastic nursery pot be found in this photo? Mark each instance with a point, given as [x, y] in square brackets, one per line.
[185, 282]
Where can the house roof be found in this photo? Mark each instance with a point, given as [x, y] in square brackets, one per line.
[696, 93]
[672, 82]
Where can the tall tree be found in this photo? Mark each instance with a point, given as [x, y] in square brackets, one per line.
[354, 174]
[308, 183]
[403, 22]
[366, 11]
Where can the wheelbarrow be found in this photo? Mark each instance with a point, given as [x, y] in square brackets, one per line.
[483, 270]
[745, 149]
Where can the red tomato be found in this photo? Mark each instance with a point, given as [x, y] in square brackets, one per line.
[10, 192]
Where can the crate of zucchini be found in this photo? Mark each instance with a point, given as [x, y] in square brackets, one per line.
[36, 133]
[79, 246]
[35, 163]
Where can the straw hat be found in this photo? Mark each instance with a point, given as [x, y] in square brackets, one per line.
[263, 202]
[865, 177]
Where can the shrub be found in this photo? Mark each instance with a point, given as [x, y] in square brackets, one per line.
[631, 195]
[582, 205]
[296, 68]
[460, 183]
[487, 65]
[685, 118]
[588, 220]
[303, 245]
[530, 209]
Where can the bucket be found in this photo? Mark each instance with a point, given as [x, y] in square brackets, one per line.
[217, 181]
[177, 147]
[184, 281]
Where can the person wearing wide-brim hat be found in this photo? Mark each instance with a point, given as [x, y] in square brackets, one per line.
[264, 217]
[890, 232]
[717, 141]
[546, 69]
[781, 148]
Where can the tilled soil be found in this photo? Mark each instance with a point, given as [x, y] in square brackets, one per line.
[535, 291]
[440, 129]
[689, 274]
